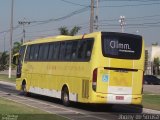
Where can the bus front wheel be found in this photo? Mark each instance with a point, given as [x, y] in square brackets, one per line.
[65, 96]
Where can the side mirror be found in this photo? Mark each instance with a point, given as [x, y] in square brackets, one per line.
[15, 59]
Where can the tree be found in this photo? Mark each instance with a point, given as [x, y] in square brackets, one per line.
[64, 30]
[4, 60]
[74, 30]
[16, 47]
[155, 44]
[156, 64]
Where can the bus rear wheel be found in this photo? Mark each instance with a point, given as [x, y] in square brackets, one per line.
[65, 97]
[24, 91]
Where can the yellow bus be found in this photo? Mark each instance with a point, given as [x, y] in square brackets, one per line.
[100, 67]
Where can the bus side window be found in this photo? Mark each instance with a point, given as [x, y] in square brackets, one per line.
[68, 50]
[51, 51]
[62, 51]
[27, 53]
[43, 52]
[31, 56]
[40, 54]
[88, 49]
[56, 51]
[81, 50]
[84, 49]
[36, 49]
[74, 50]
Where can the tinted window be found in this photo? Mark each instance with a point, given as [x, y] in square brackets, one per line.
[36, 50]
[81, 47]
[31, 53]
[27, 53]
[123, 46]
[88, 49]
[56, 50]
[74, 50]
[84, 49]
[79, 50]
[43, 52]
[68, 50]
[21, 53]
[62, 51]
[53, 51]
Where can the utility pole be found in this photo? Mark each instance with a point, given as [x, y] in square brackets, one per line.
[122, 23]
[96, 16]
[23, 23]
[92, 16]
[10, 45]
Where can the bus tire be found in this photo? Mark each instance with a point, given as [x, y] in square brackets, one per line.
[65, 97]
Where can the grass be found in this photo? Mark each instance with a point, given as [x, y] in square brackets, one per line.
[10, 109]
[5, 78]
[151, 101]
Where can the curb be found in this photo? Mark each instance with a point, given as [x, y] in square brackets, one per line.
[150, 111]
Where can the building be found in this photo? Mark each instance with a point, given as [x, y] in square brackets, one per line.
[152, 52]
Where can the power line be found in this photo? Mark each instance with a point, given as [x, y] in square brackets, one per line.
[66, 1]
[130, 5]
[131, 0]
[112, 20]
[139, 24]
[53, 29]
[60, 18]
[23, 23]
[134, 18]
[37, 23]
[6, 31]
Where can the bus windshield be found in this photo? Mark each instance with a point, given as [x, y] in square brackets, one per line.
[121, 45]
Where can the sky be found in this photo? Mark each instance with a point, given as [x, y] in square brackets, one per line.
[46, 16]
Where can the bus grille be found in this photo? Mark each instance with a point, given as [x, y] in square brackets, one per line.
[85, 88]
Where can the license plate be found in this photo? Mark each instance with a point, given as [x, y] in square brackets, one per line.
[119, 97]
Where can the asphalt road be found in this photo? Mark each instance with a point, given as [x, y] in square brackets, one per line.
[77, 111]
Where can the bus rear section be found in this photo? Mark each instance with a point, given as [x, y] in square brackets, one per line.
[118, 79]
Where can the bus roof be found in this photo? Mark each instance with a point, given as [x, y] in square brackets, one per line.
[66, 37]
[40, 40]
[61, 37]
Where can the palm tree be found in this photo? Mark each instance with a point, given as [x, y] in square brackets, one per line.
[74, 30]
[64, 30]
